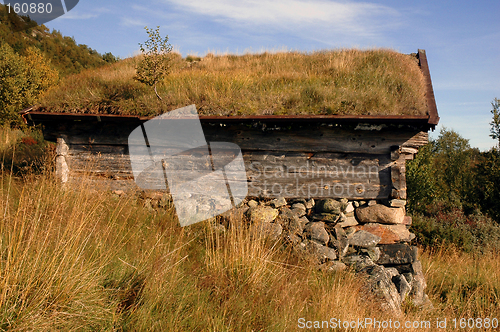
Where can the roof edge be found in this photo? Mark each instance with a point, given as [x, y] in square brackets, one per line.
[431, 101]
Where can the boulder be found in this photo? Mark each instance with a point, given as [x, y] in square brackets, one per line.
[397, 203]
[418, 285]
[329, 205]
[262, 214]
[346, 221]
[379, 213]
[251, 203]
[372, 252]
[363, 239]
[397, 254]
[349, 208]
[402, 285]
[320, 252]
[357, 262]
[290, 221]
[379, 283]
[326, 217]
[341, 241]
[310, 203]
[389, 234]
[316, 231]
[278, 202]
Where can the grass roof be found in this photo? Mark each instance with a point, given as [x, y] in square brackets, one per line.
[343, 82]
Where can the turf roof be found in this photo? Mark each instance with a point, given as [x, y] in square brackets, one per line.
[339, 82]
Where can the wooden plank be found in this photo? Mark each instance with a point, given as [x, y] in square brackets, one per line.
[307, 138]
[290, 174]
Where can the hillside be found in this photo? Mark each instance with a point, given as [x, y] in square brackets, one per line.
[371, 82]
[65, 54]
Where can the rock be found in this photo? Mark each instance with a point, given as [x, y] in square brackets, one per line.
[326, 217]
[341, 241]
[119, 192]
[389, 234]
[303, 221]
[330, 206]
[397, 254]
[364, 239]
[418, 285]
[346, 221]
[402, 285]
[407, 221]
[379, 282]
[299, 209]
[316, 231]
[358, 262]
[251, 203]
[299, 212]
[298, 200]
[335, 266]
[299, 206]
[262, 214]
[372, 252]
[349, 208]
[310, 203]
[404, 268]
[235, 215]
[320, 252]
[350, 230]
[397, 203]
[372, 203]
[380, 214]
[356, 204]
[392, 271]
[278, 202]
[290, 221]
[265, 229]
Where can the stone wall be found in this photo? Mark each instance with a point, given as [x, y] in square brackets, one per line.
[370, 237]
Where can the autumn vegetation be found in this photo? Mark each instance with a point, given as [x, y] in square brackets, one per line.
[80, 259]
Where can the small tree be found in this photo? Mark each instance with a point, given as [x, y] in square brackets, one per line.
[495, 124]
[156, 62]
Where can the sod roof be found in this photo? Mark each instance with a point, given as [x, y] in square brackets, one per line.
[339, 82]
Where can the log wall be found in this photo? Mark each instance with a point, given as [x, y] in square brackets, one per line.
[313, 160]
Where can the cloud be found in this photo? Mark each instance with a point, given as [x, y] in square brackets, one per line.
[132, 22]
[79, 15]
[359, 18]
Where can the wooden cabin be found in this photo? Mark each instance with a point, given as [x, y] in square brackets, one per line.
[353, 156]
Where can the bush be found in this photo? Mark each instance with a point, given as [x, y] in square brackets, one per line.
[27, 153]
[474, 233]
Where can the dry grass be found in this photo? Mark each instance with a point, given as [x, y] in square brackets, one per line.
[77, 259]
[378, 82]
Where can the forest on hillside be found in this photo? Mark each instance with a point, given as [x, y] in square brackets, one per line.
[33, 60]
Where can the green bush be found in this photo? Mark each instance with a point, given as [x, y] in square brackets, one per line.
[473, 233]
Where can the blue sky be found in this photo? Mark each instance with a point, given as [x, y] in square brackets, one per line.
[461, 38]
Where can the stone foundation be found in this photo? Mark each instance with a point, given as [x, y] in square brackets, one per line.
[370, 237]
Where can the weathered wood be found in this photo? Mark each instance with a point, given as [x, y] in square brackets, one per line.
[313, 160]
[317, 138]
[398, 178]
[417, 140]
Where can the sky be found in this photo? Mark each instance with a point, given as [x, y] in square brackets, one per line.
[461, 38]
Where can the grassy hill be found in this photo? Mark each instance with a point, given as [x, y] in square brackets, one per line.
[66, 55]
[378, 82]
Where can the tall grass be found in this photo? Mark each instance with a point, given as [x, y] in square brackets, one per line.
[328, 82]
[80, 259]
